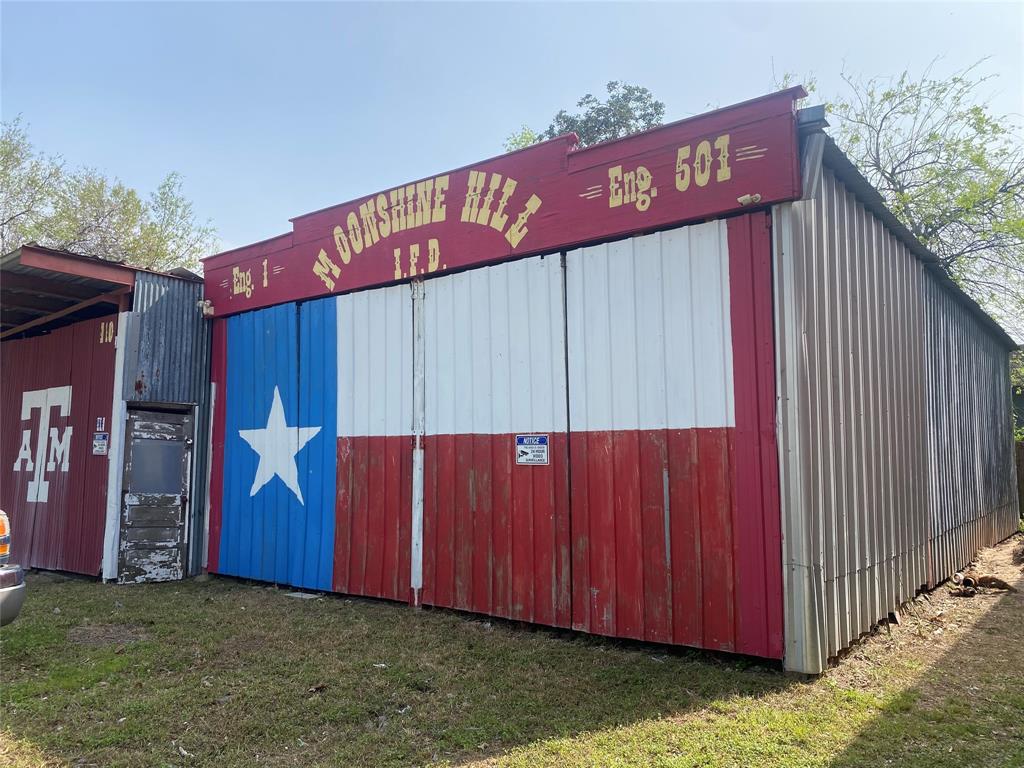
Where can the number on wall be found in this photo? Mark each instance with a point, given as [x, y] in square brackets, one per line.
[106, 332]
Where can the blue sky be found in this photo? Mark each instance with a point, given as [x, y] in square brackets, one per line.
[270, 110]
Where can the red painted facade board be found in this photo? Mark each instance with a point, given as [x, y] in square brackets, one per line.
[218, 378]
[756, 513]
[676, 532]
[539, 199]
[53, 486]
[667, 535]
[496, 535]
[372, 516]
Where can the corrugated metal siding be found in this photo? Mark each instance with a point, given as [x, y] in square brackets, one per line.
[374, 491]
[57, 502]
[864, 417]
[631, 357]
[972, 472]
[167, 360]
[670, 537]
[496, 534]
[280, 450]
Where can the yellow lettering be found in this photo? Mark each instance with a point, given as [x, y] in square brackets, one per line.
[498, 218]
[368, 214]
[326, 269]
[412, 218]
[615, 186]
[414, 257]
[518, 230]
[382, 215]
[424, 190]
[355, 234]
[341, 243]
[724, 172]
[398, 209]
[683, 168]
[433, 254]
[398, 263]
[241, 282]
[485, 210]
[475, 186]
[644, 192]
[702, 163]
[440, 187]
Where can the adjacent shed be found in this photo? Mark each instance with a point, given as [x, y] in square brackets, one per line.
[694, 386]
[105, 415]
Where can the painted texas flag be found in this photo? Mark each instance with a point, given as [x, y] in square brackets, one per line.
[280, 445]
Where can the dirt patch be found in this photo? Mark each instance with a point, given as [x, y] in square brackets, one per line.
[932, 624]
[106, 634]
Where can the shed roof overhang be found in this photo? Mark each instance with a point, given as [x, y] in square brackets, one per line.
[42, 289]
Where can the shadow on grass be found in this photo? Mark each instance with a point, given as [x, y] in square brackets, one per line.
[965, 709]
[227, 672]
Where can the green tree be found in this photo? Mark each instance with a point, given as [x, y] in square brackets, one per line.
[627, 109]
[950, 169]
[81, 210]
[521, 139]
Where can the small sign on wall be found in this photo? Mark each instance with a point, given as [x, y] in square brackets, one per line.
[531, 449]
[100, 441]
[101, 423]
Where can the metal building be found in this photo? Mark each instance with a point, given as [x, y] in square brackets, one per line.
[104, 445]
[694, 386]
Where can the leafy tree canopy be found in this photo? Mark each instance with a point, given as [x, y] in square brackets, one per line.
[81, 210]
[949, 169]
[627, 109]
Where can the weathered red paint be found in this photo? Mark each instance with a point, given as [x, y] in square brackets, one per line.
[64, 531]
[560, 198]
[496, 535]
[218, 377]
[75, 264]
[756, 514]
[372, 517]
[717, 582]
[665, 535]
[628, 581]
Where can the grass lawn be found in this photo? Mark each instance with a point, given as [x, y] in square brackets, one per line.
[222, 673]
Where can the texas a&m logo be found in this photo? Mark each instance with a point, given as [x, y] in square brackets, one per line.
[52, 450]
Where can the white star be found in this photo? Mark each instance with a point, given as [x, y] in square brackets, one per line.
[277, 444]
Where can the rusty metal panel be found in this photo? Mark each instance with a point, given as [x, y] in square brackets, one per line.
[894, 424]
[167, 360]
[57, 393]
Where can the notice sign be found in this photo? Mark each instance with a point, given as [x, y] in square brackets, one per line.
[100, 440]
[531, 449]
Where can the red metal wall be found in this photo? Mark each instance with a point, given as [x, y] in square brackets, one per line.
[373, 511]
[647, 361]
[675, 524]
[373, 514]
[496, 534]
[64, 531]
[540, 199]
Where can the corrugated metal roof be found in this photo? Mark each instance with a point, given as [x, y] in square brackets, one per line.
[44, 288]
